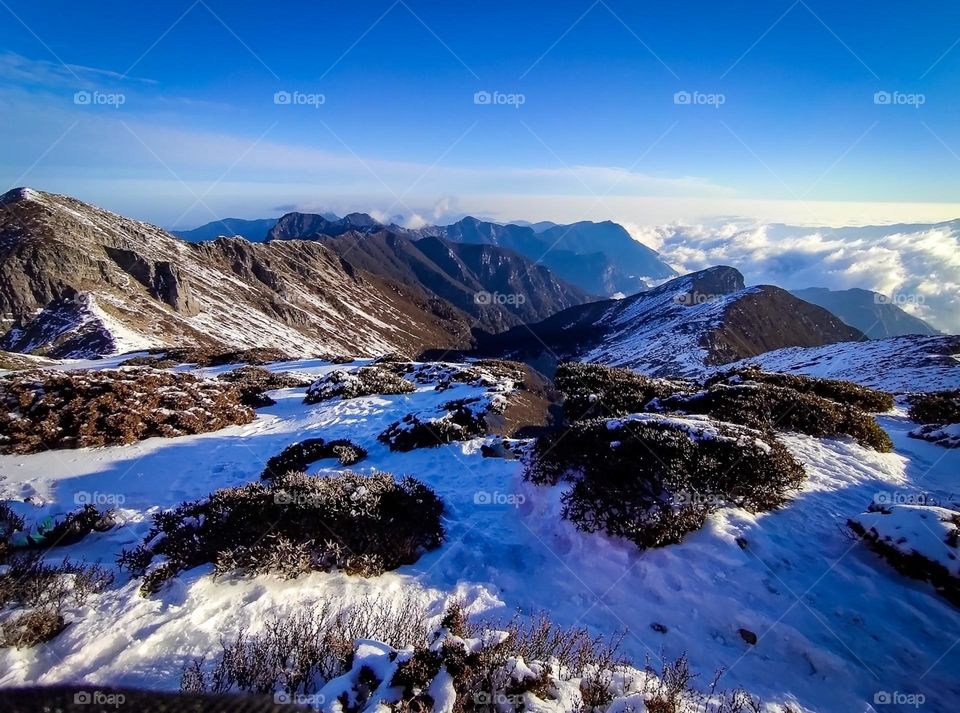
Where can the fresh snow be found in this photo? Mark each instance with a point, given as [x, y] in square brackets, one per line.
[897, 364]
[835, 624]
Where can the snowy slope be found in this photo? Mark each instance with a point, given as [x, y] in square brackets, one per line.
[835, 624]
[897, 364]
[679, 328]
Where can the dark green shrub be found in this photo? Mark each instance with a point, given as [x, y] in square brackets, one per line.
[595, 391]
[31, 628]
[652, 479]
[939, 407]
[764, 406]
[365, 381]
[842, 392]
[460, 422]
[296, 457]
[253, 381]
[363, 525]
[42, 410]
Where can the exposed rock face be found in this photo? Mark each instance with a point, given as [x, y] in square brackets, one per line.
[151, 289]
[677, 329]
[599, 258]
[497, 288]
[163, 279]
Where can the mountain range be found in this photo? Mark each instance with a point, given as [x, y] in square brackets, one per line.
[76, 280]
[80, 281]
[600, 258]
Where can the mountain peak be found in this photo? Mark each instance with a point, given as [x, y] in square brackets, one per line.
[22, 193]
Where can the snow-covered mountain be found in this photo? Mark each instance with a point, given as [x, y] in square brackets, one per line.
[79, 280]
[680, 328]
[159, 290]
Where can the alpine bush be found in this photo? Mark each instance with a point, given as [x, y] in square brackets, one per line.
[42, 410]
[365, 381]
[295, 523]
[651, 479]
[596, 391]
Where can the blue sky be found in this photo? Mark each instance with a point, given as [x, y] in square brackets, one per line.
[182, 126]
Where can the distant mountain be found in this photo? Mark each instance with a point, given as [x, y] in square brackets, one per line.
[253, 230]
[498, 288]
[613, 240]
[680, 328]
[600, 258]
[307, 226]
[870, 312]
[536, 227]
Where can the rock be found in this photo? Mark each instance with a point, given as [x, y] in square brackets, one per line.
[748, 636]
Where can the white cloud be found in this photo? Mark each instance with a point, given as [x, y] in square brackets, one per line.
[917, 265]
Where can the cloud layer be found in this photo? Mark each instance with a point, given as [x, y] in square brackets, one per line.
[918, 266]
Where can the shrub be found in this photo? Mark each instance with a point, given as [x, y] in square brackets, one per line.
[10, 524]
[78, 409]
[842, 392]
[595, 391]
[360, 524]
[764, 406]
[652, 479]
[365, 381]
[905, 536]
[30, 582]
[253, 381]
[206, 356]
[461, 421]
[945, 436]
[296, 457]
[43, 591]
[492, 669]
[937, 407]
[31, 628]
[293, 652]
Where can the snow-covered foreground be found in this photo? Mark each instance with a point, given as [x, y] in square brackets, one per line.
[836, 626]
